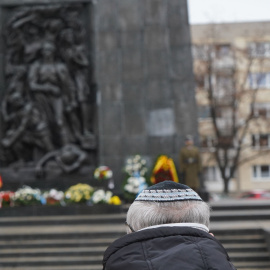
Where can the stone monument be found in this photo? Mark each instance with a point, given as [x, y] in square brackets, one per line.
[90, 82]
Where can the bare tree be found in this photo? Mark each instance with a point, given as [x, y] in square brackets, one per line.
[223, 74]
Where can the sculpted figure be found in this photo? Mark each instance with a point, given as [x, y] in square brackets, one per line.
[25, 126]
[69, 158]
[52, 89]
[75, 57]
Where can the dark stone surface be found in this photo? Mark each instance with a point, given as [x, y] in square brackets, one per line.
[153, 65]
[134, 120]
[47, 210]
[141, 66]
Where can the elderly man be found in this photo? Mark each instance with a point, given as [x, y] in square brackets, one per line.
[167, 228]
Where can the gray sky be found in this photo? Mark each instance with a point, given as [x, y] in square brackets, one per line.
[219, 11]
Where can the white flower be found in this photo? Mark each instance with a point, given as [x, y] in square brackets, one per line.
[98, 196]
[131, 179]
[109, 174]
[108, 196]
[129, 188]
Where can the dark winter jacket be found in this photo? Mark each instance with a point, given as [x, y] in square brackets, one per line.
[167, 248]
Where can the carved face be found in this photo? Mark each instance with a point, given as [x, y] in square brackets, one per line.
[48, 49]
[16, 100]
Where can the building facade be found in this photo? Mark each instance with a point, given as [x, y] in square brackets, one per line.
[232, 73]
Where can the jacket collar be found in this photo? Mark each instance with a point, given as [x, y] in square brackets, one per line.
[191, 225]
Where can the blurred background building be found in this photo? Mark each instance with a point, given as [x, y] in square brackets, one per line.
[232, 73]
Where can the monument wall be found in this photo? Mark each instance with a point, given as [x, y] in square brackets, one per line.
[146, 102]
[87, 83]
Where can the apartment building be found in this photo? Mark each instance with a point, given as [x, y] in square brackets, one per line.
[232, 72]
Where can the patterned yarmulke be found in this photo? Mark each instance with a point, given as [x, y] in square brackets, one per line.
[168, 191]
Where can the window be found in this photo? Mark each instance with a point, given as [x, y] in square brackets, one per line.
[259, 49]
[212, 173]
[261, 172]
[200, 52]
[259, 80]
[261, 140]
[207, 142]
[261, 109]
[222, 50]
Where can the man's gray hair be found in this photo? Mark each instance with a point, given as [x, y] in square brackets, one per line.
[144, 214]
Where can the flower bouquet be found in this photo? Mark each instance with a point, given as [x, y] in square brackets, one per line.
[26, 196]
[101, 196]
[135, 182]
[6, 198]
[79, 193]
[104, 173]
[164, 169]
[54, 197]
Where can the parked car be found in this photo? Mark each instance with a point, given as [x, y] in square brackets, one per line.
[256, 195]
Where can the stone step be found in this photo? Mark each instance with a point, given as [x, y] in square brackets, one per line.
[55, 267]
[55, 242]
[241, 239]
[234, 204]
[64, 251]
[252, 265]
[62, 220]
[250, 256]
[240, 215]
[61, 230]
[236, 247]
[52, 261]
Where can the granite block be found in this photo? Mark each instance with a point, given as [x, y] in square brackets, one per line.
[112, 146]
[110, 119]
[179, 36]
[109, 67]
[161, 145]
[134, 145]
[106, 15]
[186, 117]
[156, 64]
[158, 90]
[156, 38]
[129, 14]
[132, 65]
[111, 92]
[177, 13]
[108, 41]
[156, 12]
[181, 89]
[134, 119]
[131, 39]
[134, 92]
[181, 64]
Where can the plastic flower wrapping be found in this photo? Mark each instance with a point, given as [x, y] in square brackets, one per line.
[79, 193]
[103, 173]
[135, 182]
[54, 197]
[27, 196]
